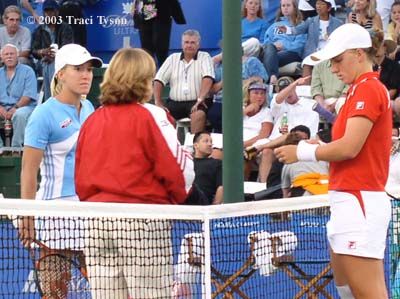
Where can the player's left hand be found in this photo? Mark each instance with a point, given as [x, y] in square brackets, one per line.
[26, 230]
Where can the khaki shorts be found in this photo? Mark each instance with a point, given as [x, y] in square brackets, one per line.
[359, 223]
[129, 257]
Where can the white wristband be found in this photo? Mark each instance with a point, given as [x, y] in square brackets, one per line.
[306, 151]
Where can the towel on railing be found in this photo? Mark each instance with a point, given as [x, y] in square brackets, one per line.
[284, 242]
[186, 271]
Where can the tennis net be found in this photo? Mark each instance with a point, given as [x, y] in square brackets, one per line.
[266, 249]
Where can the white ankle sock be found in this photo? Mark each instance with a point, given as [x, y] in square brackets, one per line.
[344, 292]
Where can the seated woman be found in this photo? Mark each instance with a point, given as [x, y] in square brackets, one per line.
[279, 48]
[364, 14]
[393, 29]
[257, 117]
[253, 29]
[252, 69]
[317, 28]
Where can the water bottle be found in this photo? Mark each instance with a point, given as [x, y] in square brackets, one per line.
[284, 123]
[7, 132]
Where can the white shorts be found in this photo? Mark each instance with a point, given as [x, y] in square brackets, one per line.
[359, 223]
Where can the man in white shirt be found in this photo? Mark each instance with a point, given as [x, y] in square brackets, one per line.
[190, 75]
[15, 34]
[296, 111]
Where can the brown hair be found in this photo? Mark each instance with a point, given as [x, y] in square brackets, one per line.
[377, 38]
[260, 12]
[128, 78]
[296, 18]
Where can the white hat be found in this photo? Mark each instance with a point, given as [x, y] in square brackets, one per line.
[73, 54]
[346, 37]
[331, 2]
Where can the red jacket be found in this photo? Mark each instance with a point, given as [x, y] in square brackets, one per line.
[129, 153]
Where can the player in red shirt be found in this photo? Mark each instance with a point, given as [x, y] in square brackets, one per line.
[359, 156]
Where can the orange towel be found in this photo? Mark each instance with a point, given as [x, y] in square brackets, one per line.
[313, 182]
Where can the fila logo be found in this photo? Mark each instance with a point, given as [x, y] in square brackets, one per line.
[360, 105]
[352, 245]
[65, 123]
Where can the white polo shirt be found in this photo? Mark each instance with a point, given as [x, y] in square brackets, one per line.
[184, 77]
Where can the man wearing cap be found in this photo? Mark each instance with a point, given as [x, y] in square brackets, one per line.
[46, 39]
[190, 75]
[18, 93]
[15, 34]
[298, 111]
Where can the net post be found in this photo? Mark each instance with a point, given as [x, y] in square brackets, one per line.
[232, 104]
[207, 257]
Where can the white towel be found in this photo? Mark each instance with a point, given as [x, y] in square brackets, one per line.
[185, 272]
[263, 249]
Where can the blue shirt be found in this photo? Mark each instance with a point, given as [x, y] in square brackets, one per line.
[23, 83]
[254, 67]
[251, 67]
[254, 28]
[292, 43]
[54, 127]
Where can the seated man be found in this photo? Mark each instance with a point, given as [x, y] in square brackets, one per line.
[43, 39]
[18, 93]
[288, 111]
[15, 34]
[208, 171]
[190, 75]
[326, 88]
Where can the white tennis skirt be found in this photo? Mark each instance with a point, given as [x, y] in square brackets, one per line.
[359, 223]
[61, 232]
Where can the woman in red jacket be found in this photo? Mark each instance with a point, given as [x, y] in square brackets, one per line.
[128, 152]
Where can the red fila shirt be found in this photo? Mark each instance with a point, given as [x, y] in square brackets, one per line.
[368, 171]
